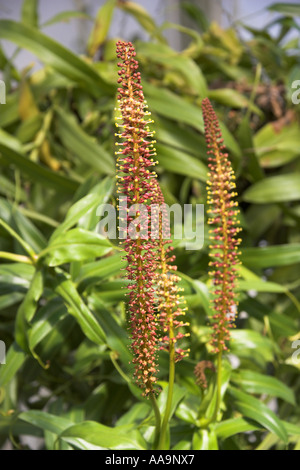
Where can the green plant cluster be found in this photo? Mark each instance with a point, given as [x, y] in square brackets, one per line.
[67, 377]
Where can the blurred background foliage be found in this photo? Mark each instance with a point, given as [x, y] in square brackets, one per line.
[63, 315]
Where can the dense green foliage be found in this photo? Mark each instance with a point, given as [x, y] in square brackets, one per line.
[63, 310]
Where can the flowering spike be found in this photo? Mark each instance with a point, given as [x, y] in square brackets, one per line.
[136, 182]
[223, 236]
[169, 300]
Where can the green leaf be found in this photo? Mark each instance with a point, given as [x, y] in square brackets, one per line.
[177, 396]
[261, 286]
[112, 291]
[181, 137]
[203, 292]
[143, 17]
[136, 413]
[44, 322]
[277, 147]
[164, 102]
[75, 245]
[101, 27]
[177, 161]
[282, 325]
[76, 212]
[231, 427]
[28, 231]
[103, 190]
[121, 437]
[280, 188]
[46, 421]
[15, 358]
[54, 55]
[205, 440]
[11, 424]
[66, 16]
[36, 172]
[30, 12]
[188, 410]
[260, 218]
[292, 429]
[28, 308]
[10, 112]
[172, 106]
[87, 149]
[196, 14]
[230, 142]
[269, 441]
[254, 409]
[22, 226]
[53, 424]
[91, 273]
[246, 142]
[10, 298]
[233, 99]
[252, 345]
[269, 256]
[287, 9]
[253, 382]
[172, 60]
[8, 189]
[116, 336]
[76, 307]
[17, 274]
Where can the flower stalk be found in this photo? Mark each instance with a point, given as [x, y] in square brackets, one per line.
[224, 242]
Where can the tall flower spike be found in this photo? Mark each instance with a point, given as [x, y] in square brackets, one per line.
[224, 244]
[170, 302]
[138, 183]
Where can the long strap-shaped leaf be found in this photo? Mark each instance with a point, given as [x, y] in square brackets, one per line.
[52, 53]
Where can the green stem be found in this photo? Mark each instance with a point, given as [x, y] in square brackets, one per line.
[40, 217]
[219, 385]
[157, 420]
[162, 440]
[22, 242]
[17, 258]
[294, 300]
[122, 374]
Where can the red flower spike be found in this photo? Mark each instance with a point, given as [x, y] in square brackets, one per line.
[169, 300]
[224, 242]
[138, 184]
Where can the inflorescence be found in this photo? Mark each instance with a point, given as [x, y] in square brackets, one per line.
[170, 302]
[153, 293]
[223, 236]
